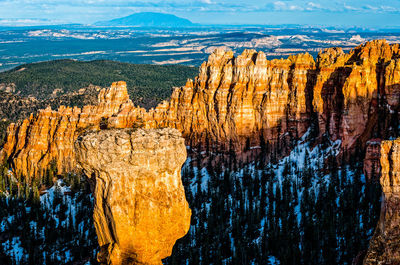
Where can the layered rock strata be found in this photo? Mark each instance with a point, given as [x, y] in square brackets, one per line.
[33, 144]
[238, 103]
[140, 205]
[384, 246]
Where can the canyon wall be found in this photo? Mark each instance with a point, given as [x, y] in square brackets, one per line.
[33, 144]
[140, 205]
[384, 246]
[239, 103]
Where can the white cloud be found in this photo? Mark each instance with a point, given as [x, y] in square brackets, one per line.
[284, 6]
[389, 9]
[370, 7]
[313, 6]
[350, 8]
[332, 6]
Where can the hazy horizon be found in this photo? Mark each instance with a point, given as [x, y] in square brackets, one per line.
[356, 13]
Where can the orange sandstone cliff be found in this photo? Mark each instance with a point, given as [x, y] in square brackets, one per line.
[237, 102]
[140, 205]
[384, 246]
[49, 136]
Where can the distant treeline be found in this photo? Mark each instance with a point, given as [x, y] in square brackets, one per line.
[147, 84]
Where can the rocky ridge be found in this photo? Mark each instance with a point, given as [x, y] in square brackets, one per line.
[49, 136]
[243, 103]
[140, 205]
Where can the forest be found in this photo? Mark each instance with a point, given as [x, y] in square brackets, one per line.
[306, 208]
[147, 84]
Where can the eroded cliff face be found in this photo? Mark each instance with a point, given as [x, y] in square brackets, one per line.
[352, 91]
[247, 99]
[140, 205]
[34, 143]
[241, 99]
[384, 246]
[239, 103]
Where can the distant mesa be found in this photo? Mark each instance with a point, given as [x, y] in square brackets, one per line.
[148, 19]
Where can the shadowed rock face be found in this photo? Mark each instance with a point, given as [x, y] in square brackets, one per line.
[140, 205]
[384, 246]
[372, 160]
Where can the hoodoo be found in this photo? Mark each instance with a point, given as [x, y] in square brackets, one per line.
[140, 205]
[242, 104]
[49, 136]
[238, 102]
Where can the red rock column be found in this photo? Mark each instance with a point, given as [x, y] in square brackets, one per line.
[140, 205]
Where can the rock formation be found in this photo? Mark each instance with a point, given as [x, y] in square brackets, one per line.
[384, 246]
[241, 99]
[48, 136]
[372, 166]
[140, 205]
[238, 103]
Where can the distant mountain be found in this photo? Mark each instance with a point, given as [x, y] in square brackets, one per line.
[148, 19]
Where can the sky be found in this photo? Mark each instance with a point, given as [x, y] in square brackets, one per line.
[360, 13]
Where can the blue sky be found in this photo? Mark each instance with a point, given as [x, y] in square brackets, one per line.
[365, 13]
